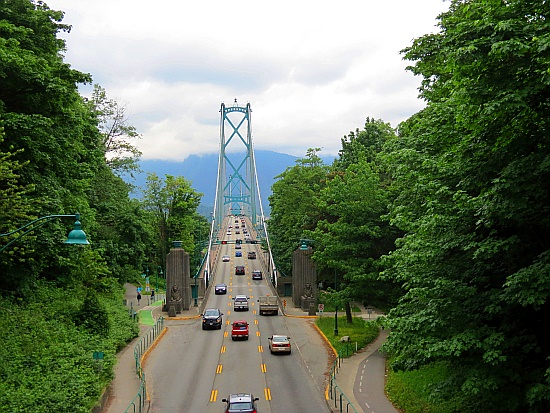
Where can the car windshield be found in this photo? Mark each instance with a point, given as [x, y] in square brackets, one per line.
[236, 407]
[211, 313]
[279, 339]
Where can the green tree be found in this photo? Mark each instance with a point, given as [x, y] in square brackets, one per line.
[471, 173]
[173, 204]
[293, 206]
[121, 154]
[351, 234]
[50, 130]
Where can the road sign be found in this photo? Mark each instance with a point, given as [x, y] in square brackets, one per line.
[321, 307]
[284, 303]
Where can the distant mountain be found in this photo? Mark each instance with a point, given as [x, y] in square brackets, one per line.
[202, 172]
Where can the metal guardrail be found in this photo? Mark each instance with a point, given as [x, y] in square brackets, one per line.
[138, 402]
[336, 393]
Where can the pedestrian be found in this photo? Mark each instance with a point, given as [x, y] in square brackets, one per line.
[152, 295]
[139, 297]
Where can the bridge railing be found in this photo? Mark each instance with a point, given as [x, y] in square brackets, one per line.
[137, 405]
[336, 393]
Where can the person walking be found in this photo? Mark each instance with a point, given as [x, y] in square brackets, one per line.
[152, 295]
[138, 297]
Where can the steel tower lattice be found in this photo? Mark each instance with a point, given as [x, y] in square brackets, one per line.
[236, 187]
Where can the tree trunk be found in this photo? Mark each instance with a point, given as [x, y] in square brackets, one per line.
[349, 318]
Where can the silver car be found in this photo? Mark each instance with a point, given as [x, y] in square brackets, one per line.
[279, 344]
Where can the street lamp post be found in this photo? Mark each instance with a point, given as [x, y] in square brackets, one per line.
[159, 271]
[196, 303]
[75, 237]
[335, 309]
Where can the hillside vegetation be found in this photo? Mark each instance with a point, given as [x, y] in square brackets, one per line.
[443, 222]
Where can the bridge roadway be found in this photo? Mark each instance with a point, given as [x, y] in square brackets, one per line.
[191, 370]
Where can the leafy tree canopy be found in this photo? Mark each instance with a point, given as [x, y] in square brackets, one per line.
[470, 174]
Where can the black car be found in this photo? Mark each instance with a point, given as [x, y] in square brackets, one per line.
[212, 318]
[240, 402]
[256, 275]
[239, 270]
[220, 289]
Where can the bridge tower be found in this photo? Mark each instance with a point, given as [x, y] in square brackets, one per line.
[237, 189]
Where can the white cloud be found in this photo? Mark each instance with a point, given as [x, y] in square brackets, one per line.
[312, 71]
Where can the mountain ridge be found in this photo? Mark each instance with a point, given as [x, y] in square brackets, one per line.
[201, 171]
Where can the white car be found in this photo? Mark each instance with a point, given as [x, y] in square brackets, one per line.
[279, 344]
[241, 303]
[225, 258]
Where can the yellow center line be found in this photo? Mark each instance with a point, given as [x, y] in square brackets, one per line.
[222, 350]
[219, 369]
[260, 349]
[256, 321]
[267, 394]
[213, 395]
[257, 334]
[263, 367]
[225, 333]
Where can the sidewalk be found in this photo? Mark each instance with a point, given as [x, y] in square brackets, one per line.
[347, 374]
[126, 382]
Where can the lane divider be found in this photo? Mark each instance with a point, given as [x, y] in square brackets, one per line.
[213, 396]
[222, 350]
[267, 393]
[260, 349]
[219, 369]
[263, 368]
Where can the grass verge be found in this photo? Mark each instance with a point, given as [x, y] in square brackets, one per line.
[361, 332]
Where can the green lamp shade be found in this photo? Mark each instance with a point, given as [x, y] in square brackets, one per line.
[304, 246]
[77, 236]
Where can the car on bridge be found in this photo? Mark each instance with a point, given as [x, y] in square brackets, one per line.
[279, 344]
[239, 270]
[240, 402]
[239, 330]
[238, 246]
[225, 258]
[251, 255]
[241, 302]
[256, 275]
[220, 289]
[212, 318]
[238, 253]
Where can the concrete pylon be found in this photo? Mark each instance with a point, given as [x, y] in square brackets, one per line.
[178, 284]
[304, 280]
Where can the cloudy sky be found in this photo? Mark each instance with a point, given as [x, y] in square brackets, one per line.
[312, 71]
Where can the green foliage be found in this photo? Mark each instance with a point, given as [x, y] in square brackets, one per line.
[470, 175]
[361, 333]
[121, 154]
[46, 362]
[172, 204]
[92, 316]
[413, 391]
[292, 207]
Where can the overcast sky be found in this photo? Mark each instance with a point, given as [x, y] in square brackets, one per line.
[312, 71]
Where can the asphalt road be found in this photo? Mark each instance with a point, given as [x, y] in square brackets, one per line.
[192, 369]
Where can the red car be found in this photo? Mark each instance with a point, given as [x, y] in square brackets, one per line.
[239, 330]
